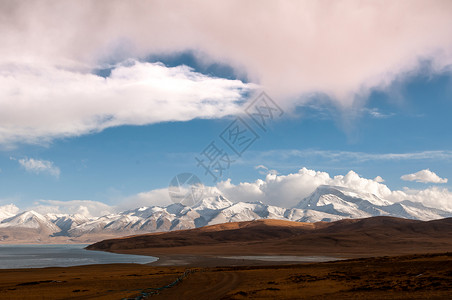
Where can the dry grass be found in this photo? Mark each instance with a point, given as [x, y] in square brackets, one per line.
[404, 277]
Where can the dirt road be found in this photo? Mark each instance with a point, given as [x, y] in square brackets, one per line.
[205, 286]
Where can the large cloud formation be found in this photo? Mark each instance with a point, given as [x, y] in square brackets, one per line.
[293, 49]
[288, 190]
[42, 103]
[279, 190]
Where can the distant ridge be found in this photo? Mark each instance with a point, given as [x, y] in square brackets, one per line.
[326, 203]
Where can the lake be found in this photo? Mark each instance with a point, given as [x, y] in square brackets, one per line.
[285, 258]
[41, 256]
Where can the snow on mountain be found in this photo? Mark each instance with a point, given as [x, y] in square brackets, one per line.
[338, 201]
[66, 222]
[32, 220]
[212, 203]
[413, 210]
[308, 215]
[373, 199]
[348, 203]
[239, 212]
[326, 203]
[209, 208]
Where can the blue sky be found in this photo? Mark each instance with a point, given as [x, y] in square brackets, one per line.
[108, 111]
[125, 160]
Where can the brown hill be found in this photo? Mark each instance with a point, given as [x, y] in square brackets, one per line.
[357, 237]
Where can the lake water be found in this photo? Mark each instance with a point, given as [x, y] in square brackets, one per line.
[285, 258]
[40, 256]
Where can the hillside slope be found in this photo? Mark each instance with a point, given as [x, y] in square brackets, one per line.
[358, 236]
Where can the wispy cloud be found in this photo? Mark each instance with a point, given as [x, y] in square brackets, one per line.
[287, 154]
[38, 166]
[263, 170]
[87, 208]
[149, 198]
[376, 113]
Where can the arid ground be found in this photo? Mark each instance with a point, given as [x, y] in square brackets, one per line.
[383, 258]
[403, 277]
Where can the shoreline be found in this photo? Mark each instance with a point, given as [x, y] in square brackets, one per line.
[418, 276]
[192, 260]
[62, 255]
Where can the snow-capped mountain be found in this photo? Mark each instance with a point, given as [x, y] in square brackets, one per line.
[27, 226]
[32, 220]
[326, 203]
[348, 203]
[66, 222]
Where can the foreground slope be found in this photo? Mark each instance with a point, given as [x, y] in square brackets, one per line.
[357, 237]
[402, 277]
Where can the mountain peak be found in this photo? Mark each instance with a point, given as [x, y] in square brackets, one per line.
[213, 202]
[30, 219]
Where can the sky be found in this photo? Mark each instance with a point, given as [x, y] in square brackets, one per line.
[103, 103]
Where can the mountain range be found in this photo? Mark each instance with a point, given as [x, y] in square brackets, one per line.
[326, 203]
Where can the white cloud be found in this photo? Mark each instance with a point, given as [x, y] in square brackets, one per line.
[433, 197]
[7, 211]
[41, 103]
[342, 49]
[424, 176]
[157, 197]
[264, 170]
[288, 190]
[86, 208]
[379, 179]
[375, 113]
[279, 190]
[38, 166]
